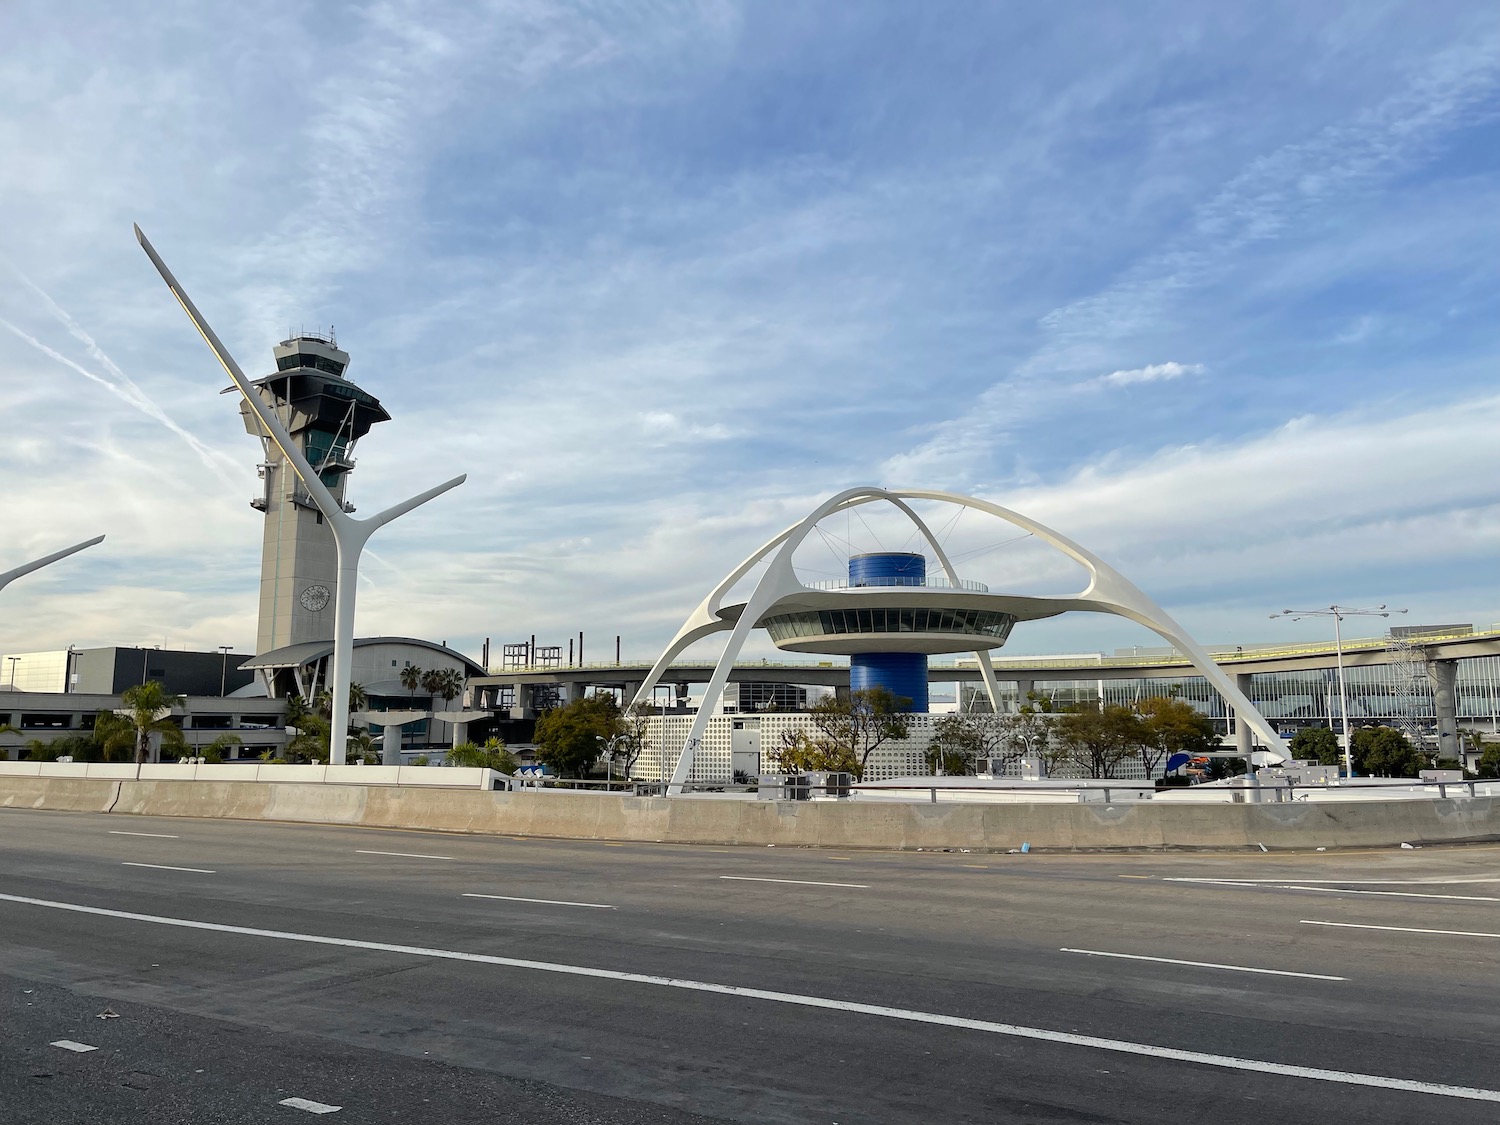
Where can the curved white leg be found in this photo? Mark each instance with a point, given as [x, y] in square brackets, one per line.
[991, 684]
[1109, 591]
[9, 576]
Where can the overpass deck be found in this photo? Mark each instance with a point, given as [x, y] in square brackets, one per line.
[1359, 652]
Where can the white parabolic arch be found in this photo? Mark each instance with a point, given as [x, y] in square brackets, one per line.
[1108, 591]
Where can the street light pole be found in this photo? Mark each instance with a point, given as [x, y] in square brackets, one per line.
[1338, 613]
[224, 669]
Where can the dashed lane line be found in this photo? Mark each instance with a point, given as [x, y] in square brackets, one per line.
[168, 867]
[1340, 882]
[1398, 929]
[1315, 887]
[403, 855]
[543, 901]
[1015, 1031]
[799, 882]
[70, 1045]
[153, 835]
[1201, 964]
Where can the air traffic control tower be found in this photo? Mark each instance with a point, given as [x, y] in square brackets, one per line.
[325, 414]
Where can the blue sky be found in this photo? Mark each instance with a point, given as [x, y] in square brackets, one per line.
[1211, 288]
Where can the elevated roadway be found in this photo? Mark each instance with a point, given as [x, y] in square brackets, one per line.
[1358, 653]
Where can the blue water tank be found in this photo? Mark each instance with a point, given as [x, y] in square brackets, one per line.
[888, 568]
[903, 673]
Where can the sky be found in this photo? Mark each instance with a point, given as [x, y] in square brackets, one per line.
[1211, 289]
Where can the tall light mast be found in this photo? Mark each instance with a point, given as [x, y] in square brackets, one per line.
[324, 414]
[349, 534]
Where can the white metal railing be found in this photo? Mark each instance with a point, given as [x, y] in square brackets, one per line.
[899, 580]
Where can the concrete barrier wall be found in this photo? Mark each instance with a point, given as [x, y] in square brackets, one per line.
[884, 825]
[444, 777]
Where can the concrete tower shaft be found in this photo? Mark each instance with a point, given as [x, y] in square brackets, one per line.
[325, 413]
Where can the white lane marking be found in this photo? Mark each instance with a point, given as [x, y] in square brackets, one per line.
[1355, 882]
[1119, 1046]
[403, 855]
[799, 882]
[153, 835]
[543, 901]
[1389, 894]
[1200, 964]
[310, 1106]
[166, 867]
[1398, 929]
[69, 1045]
[1327, 890]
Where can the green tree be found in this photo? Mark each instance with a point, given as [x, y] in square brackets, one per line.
[1384, 752]
[446, 682]
[630, 739]
[959, 741]
[1028, 733]
[312, 726]
[359, 699]
[114, 735]
[800, 754]
[1489, 761]
[1097, 738]
[411, 678]
[1316, 744]
[295, 711]
[567, 737]
[310, 743]
[492, 755]
[80, 746]
[362, 748]
[147, 706]
[1171, 726]
[852, 728]
[214, 751]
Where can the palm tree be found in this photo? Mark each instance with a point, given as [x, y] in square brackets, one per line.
[147, 706]
[359, 699]
[362, 747]
[297, 711]
[493, 755]
[432, 681]
[214, 751]
[411, 678]
[114, 735]
[449, 684]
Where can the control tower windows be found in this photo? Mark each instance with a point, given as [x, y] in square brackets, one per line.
[312, 362]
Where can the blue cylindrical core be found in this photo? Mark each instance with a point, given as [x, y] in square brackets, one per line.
[887, 568]
[903, 673]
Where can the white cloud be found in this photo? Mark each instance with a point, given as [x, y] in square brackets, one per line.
[1151, 373]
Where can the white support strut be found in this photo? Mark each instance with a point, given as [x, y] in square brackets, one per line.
[9, 576]
[1108, 591]
[349, 534]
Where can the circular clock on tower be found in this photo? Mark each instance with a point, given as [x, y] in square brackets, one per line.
[315, 597]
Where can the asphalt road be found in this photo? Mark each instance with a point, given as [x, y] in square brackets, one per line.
[247, 964]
